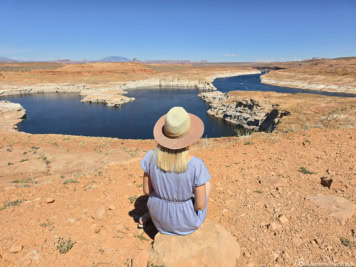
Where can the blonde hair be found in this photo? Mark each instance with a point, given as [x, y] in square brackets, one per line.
[170, 160]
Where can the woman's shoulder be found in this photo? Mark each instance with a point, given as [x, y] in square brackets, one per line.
[196, 161]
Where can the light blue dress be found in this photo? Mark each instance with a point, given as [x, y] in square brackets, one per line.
[171, 205]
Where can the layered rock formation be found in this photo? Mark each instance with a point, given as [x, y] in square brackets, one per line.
[111, 93]
[308, 84]
[111, 98]
[10, 115]
[248, 114]
[333, 75]
[204, 84]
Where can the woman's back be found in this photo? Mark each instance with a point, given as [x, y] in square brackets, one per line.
[171, 204]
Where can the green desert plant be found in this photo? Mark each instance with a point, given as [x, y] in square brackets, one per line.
[63, 245]
[141, 237]
[132, 199]
[305, 171]
[347, 243]
[46, 224]
[23, 181]
[14, 203]
[71, 181]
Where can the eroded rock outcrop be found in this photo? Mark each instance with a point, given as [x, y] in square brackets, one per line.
[249, 114]
[211, 245]
[10, 115]
[111, 98]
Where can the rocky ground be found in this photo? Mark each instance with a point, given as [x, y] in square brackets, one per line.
[89, 190]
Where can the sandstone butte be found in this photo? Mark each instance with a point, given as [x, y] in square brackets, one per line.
[72, 200]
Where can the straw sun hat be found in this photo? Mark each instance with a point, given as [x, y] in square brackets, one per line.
[178, 129]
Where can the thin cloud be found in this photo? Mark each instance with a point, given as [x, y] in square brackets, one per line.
[231, 55]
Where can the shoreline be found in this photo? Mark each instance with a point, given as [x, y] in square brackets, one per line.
[332, 88]
[200, 84]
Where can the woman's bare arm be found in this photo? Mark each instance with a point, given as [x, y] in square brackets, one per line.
[147, 185]
[200, 197]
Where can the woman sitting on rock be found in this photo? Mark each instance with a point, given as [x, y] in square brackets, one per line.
[177, 183]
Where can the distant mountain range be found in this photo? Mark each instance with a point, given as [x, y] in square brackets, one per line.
[113, 59]
[6, 59]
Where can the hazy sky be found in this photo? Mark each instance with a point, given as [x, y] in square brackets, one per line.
[218, 30]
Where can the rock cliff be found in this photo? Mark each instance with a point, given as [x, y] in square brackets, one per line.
[247, 114]
[10, 115]
[333, 75]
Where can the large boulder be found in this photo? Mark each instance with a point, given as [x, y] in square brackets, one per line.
[211, 245]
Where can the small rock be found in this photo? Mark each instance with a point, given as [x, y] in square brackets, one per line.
[283, 219]
[297, 241]
[111, 207]
[71, 220]
[325, 181]
[275, 256]
[224, 210]
[100, 212]
[50, 200]
[95, 228]
[274, 226]
[16, 248]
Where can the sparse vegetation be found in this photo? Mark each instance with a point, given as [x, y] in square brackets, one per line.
[23, 160]
[63, 246]
[14, 203]
[47, 223]
[149, 264]
[132, 199]
[347, 243]
[9, 149]
[305, 171]
[101, 250]
[141, 237]
[248, 143]
[70, 181]
[24, 181]
[131, 152]
[241, 131]
[9, 164]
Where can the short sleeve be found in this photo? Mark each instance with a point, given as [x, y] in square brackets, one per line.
[145, 162]
[202, 174]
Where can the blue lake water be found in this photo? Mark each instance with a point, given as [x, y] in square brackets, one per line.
[65, 114]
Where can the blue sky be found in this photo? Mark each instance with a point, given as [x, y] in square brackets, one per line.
[217, 31]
